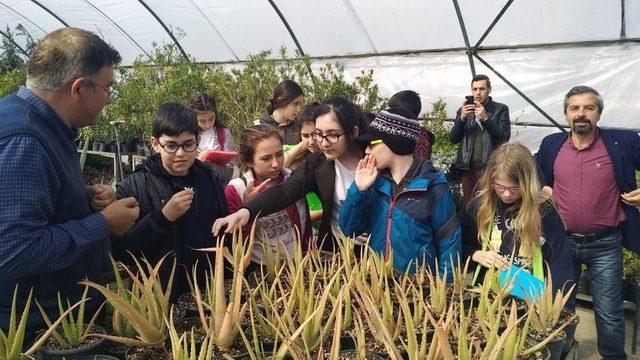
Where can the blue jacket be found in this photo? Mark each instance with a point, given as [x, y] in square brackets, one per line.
[624, 150]
[419, 222]
[50, 238]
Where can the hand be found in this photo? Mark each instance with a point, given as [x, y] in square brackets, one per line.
[237, 219]
[251, 192]
[632, 198]
[490, 259]
[178, 205]
[466, 110]
[480, 112]
[121, 215]
[101, 196]
[547, 190]
[366, 173]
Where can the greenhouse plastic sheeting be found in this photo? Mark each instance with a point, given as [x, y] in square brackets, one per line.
[544, 75]
[231, 30]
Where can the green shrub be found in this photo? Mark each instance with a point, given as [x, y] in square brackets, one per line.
[242, 92]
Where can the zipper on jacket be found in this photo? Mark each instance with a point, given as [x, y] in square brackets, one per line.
[387, 237]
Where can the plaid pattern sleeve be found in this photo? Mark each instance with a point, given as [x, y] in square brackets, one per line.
[29, 187]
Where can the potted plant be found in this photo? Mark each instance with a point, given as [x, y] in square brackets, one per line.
[11, 342]
[547, 314]
[146, 307]
[74, 337]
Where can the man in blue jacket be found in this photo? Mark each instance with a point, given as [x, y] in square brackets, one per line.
[588, 172]
[401, 200]
[54, 230]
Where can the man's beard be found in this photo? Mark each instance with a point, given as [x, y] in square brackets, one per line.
[582, 130]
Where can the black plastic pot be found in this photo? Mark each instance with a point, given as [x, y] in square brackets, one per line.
[95, 146]
[570, 331]
[95, 348]
[115, 350]
[113, 148]
[97, 357]
[103, 147]
[554, 346]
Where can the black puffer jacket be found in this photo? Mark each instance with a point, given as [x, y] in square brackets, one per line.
[153, 235]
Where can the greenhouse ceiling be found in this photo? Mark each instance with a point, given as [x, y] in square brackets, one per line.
[539, 48]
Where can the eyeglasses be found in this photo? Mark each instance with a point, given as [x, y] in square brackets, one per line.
[331, 138]
[501, 189]
[172, 148]
[111, 93]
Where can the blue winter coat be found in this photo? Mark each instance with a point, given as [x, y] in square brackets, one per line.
[419, 223]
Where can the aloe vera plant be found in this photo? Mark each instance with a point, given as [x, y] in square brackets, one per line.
[74, 329]
[437, 291]
[146, 307]
[302, 324]
[183, 346]
[12, 341]
[226, 316]
[546, 310]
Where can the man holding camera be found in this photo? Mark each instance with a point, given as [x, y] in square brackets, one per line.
[481, 125]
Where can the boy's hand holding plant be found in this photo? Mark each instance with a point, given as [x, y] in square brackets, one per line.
[366, 173]
[178, 205]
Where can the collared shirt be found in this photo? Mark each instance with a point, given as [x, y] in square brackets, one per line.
[34, 237]
[585, 187]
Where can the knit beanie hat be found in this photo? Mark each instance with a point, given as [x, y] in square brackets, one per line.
[398, 132]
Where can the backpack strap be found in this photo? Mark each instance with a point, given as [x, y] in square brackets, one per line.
[221, 136]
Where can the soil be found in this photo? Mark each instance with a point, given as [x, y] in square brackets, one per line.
[541, 335]
[353, 355]
[185, 325]
[538, 355]
[148, 353]
[236, 349]
[52, 344]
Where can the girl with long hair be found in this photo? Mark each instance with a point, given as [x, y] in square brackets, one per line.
[328, 173]
[214, 135]
[261, 157]
[284, 107]
[511, 221]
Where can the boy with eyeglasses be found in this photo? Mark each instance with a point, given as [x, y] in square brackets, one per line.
[180, 197]
[401, 200]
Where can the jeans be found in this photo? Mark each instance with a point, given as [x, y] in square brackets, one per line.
[603, 259]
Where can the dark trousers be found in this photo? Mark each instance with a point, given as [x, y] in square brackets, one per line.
[603, 258]
[469, 179]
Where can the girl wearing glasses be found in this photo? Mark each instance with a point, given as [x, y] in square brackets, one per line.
[511, 221]
[329, 173]
[261, 159]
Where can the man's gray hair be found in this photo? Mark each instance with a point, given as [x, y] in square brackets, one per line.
[66, 54]
[582, 89]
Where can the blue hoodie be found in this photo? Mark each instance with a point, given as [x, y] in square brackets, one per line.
[418, 224]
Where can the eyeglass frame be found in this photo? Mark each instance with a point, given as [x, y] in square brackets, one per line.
[178, 146]
[501, 189]
[316, 134]
[111, 93]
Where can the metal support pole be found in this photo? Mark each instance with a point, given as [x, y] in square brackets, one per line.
[470, 51]
[535, 106]
[292, 34]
